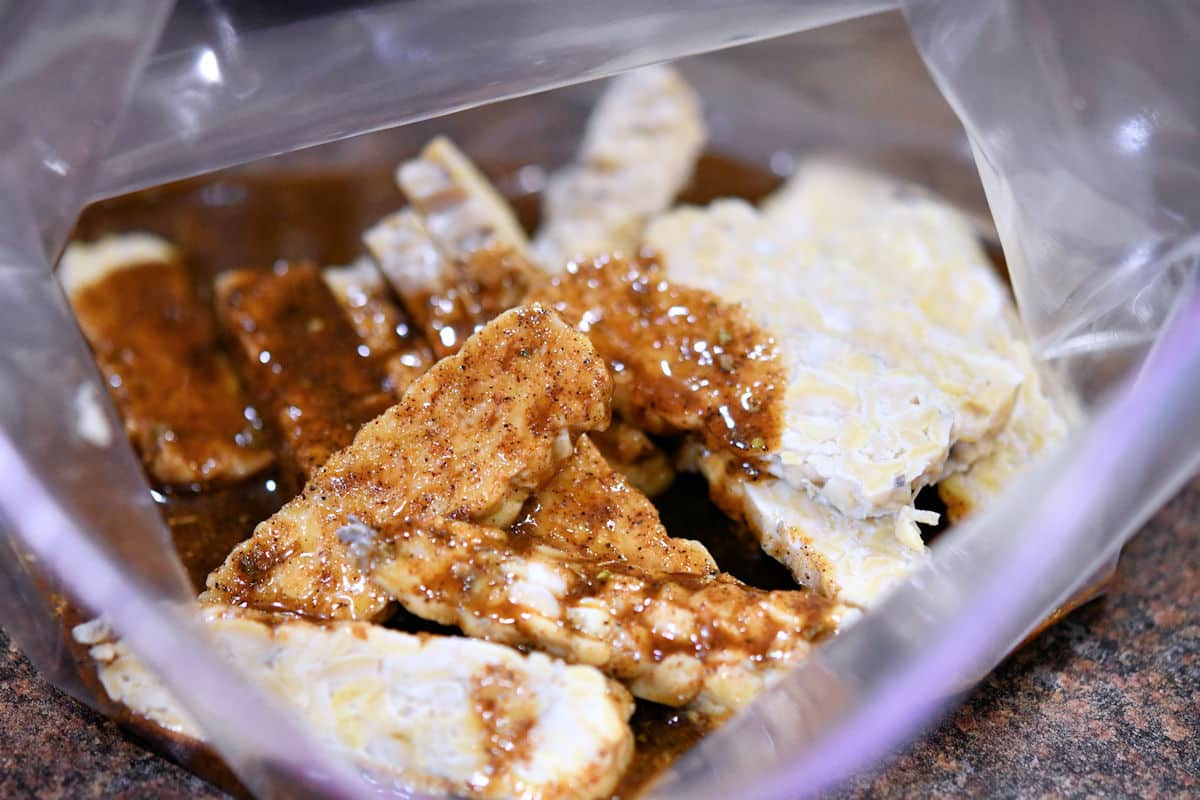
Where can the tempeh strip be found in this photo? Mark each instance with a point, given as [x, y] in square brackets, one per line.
[589, 508]
[473, 226]
[706, 641]
[381, 323]
[438, 714]
[471, 438]
[892, 230]
[682, 360]
[311, 374]
[156, 345]
[427, 282]
[462, 211]
[641, 145]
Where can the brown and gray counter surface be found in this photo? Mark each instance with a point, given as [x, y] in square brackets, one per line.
[1106, 704]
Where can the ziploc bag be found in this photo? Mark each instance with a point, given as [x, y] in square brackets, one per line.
[1094, 195]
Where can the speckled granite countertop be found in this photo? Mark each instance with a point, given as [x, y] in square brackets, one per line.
[1107, 704]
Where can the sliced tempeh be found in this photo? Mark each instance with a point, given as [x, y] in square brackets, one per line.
[855, 560]
[311, 374]
[463, 212]
[640, 148]
[708, 641]
[426, 280]
[471, 439]
[473, 226]
[439, 714]
[156, 346]
[589, 508]
[381, 324]
[894, 231]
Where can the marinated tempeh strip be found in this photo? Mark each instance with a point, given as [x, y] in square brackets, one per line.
[682, 359]
[641, 145]
[156, 346]
[707, 641]
[380, 322]
[311, 374]
[427, 282]
[473, 226]
[437, 714]
[462, 211]
[589, 508]
[471, 439]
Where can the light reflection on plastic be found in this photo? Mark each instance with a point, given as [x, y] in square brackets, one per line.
[208, 68]
[782, 163]
[531, 178]
[1133, 134]
[56, 165]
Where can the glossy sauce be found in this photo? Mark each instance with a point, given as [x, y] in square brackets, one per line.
[232, 220]
[311, 375]
[381, 323]
[682, 359]
[181, 403]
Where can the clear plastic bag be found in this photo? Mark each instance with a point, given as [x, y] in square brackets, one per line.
[1087, 148]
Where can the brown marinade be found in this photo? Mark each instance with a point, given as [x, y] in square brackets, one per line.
[315, 380]
[181, 403]
[682, 359]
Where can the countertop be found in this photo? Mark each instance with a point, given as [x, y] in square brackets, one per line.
[1106, 704]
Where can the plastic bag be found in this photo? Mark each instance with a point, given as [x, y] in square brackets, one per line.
[75, 506]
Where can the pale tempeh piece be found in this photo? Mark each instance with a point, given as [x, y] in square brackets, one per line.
[902, 238]
[472, 225]
[589, 508]
[438, 714]
[471, 438]
[641, 145]
[462, 211]
[310, 373]
[381, 324]
[854, 560]
[839, 517]
[156, 345]
[709, 642]
[888, 229]
[1037, 423]
[427, 282]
